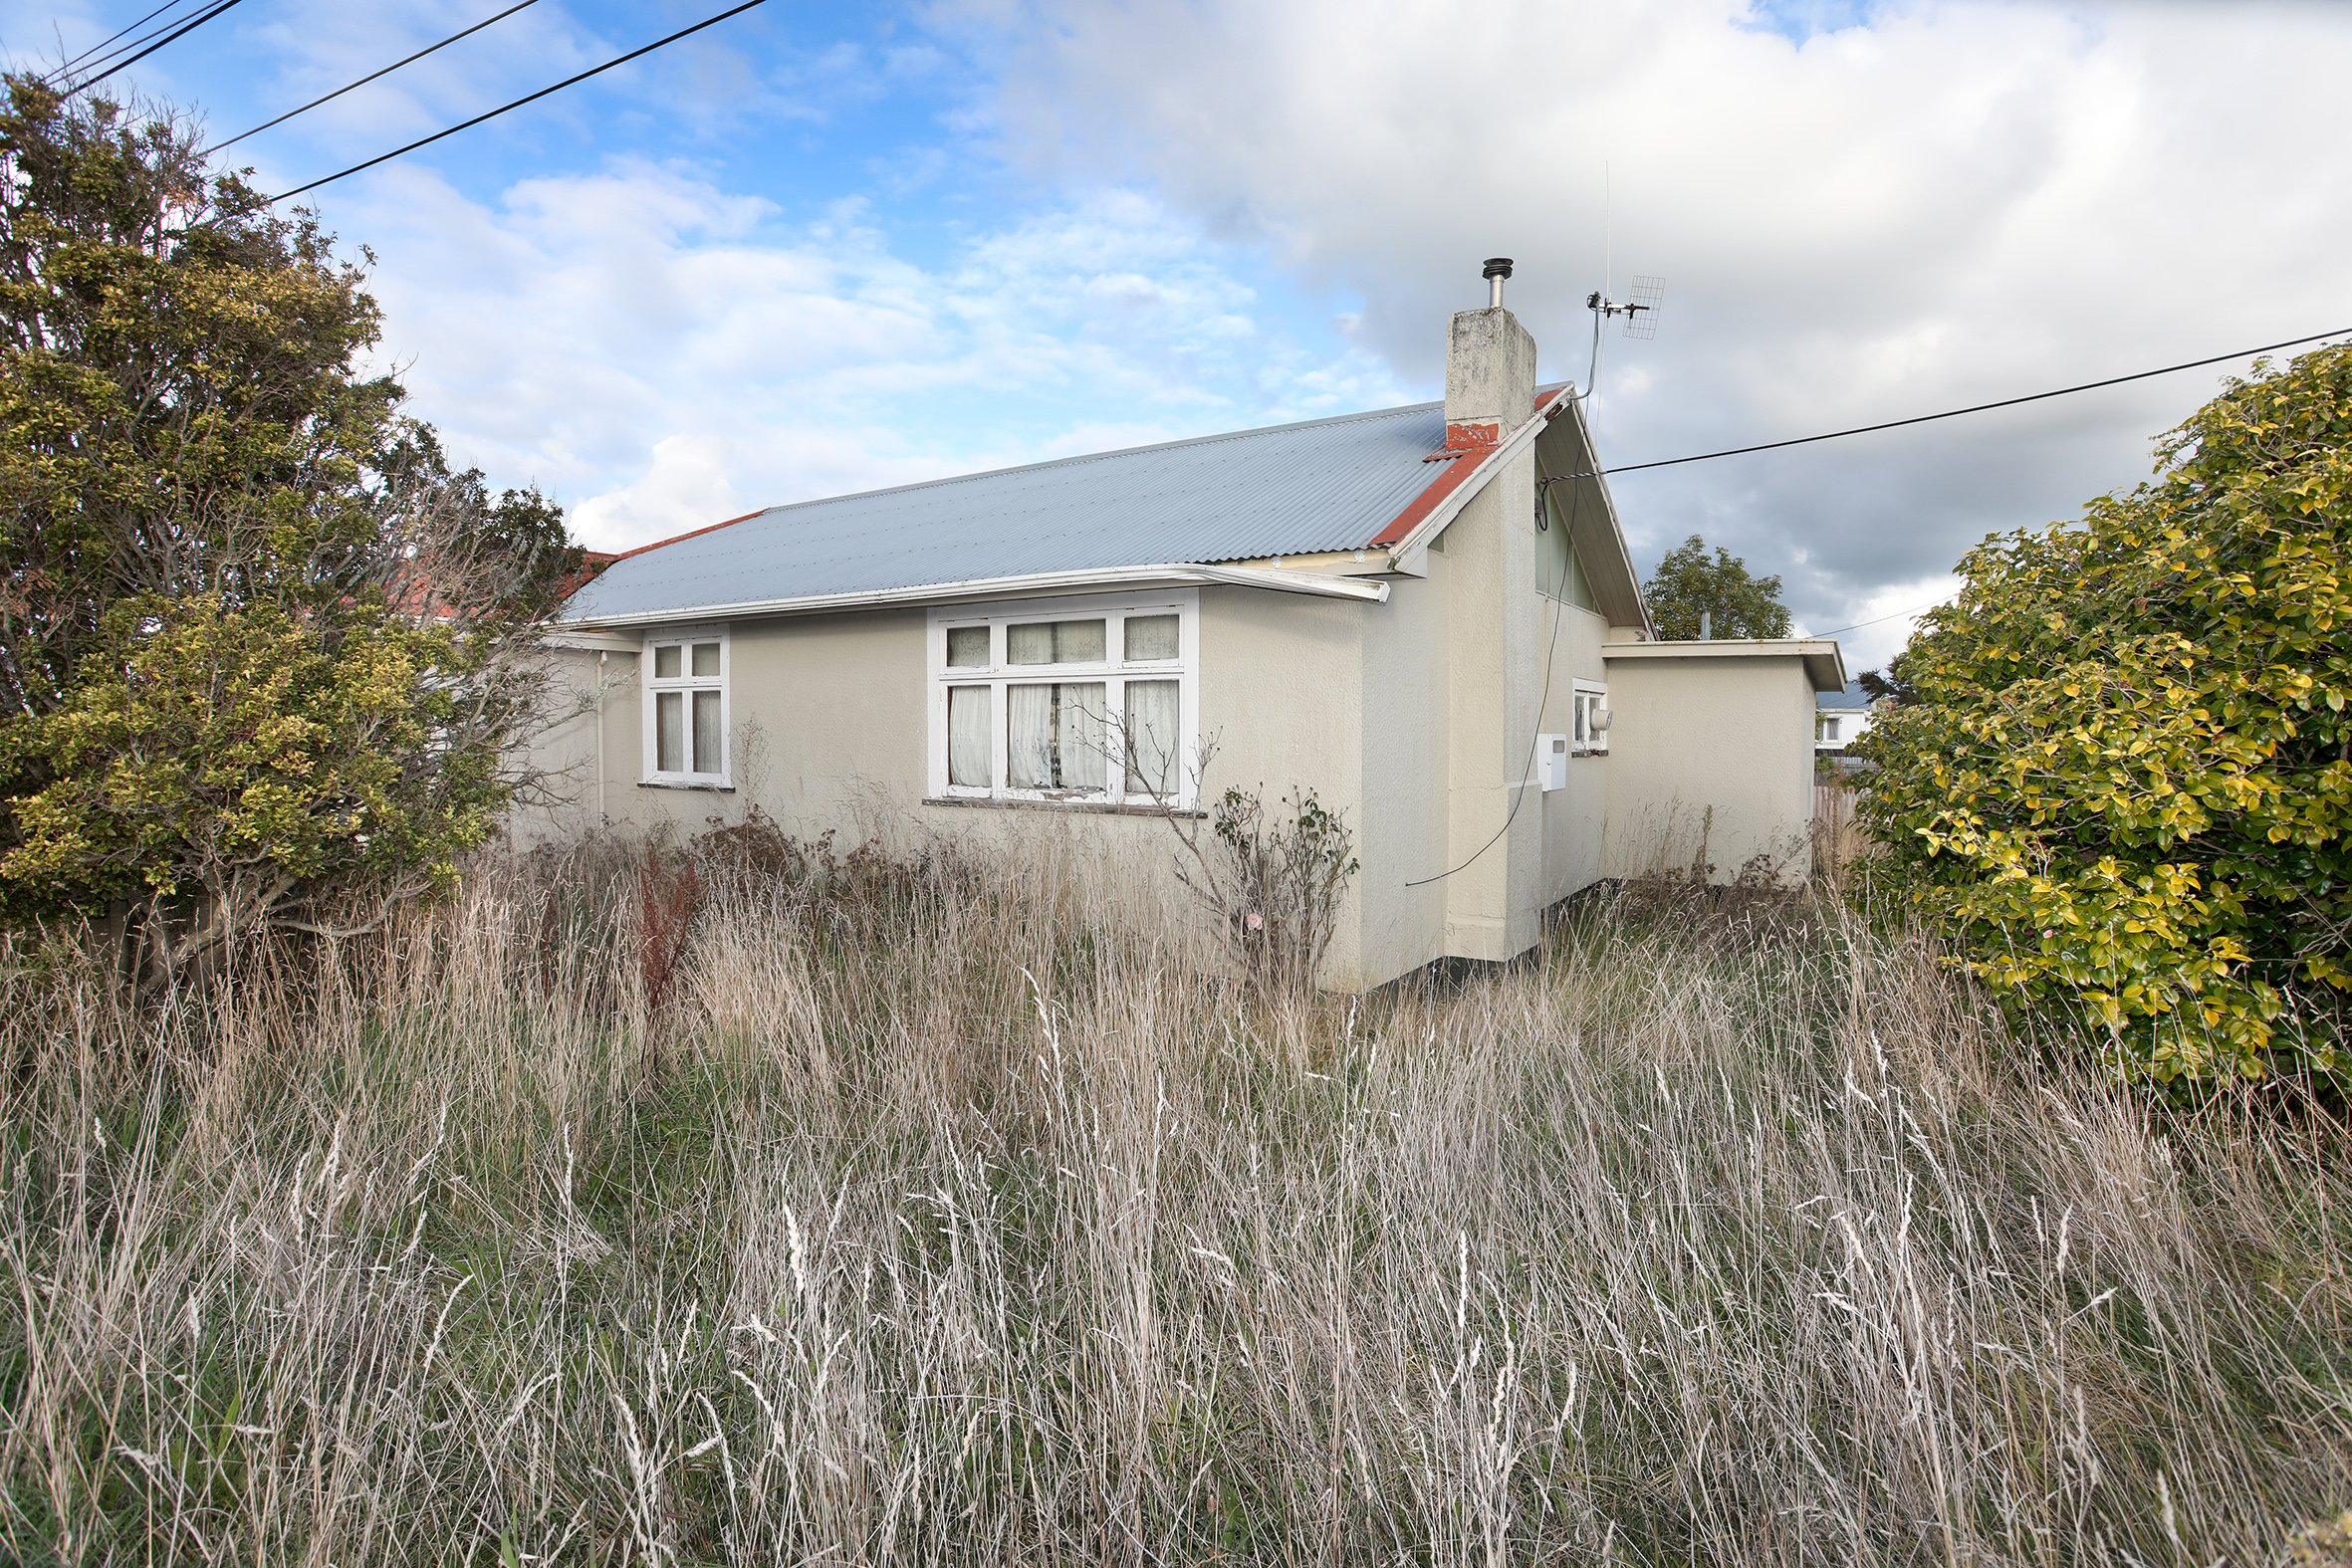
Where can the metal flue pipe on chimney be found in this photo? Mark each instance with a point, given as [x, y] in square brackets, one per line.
[1497, 269]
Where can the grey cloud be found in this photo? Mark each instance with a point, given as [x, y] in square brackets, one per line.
[1953, 204]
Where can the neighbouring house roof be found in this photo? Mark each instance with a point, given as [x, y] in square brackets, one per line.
[591, 561]
[1307, 489]
[1852, 696]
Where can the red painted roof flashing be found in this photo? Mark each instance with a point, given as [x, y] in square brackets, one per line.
[692, 533]
[1461, 440]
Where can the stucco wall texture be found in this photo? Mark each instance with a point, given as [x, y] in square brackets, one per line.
[1703, 775]
[1397, 715]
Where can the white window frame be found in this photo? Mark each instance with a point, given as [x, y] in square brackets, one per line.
[1826, 729]
[685, 681]
[1583, 740]
[1113, 671]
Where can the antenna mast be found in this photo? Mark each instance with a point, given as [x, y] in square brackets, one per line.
[1640, 310]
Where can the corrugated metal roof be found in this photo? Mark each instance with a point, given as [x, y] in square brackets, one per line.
[1852, 697]
[1327, 484]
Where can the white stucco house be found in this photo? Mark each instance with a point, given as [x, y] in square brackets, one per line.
[1840, 718]
[1426, 614]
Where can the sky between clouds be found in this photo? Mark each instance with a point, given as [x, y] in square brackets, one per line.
[822, 248]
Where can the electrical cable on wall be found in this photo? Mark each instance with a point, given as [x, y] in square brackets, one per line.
[1551, 648]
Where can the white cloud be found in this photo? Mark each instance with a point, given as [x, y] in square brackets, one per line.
[661, 354]
[1883, 619]
[1954, 203]
[686, 488]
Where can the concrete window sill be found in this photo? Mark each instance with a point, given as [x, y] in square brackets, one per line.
[1083, 808]
[705, 789]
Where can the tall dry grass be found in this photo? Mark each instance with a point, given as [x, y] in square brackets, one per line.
[941, 1216]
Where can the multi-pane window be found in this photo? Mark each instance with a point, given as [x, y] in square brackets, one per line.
[1589, 720]
[686, 706]
[1081, 699]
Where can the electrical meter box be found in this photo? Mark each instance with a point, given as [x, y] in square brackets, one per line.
[1551, 761]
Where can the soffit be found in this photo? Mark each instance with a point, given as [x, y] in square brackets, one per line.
[1563, 448]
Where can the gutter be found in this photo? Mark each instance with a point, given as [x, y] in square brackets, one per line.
[1183, 573]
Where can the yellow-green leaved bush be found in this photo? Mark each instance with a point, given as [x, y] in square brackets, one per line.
[246, 750]
[2121, 775]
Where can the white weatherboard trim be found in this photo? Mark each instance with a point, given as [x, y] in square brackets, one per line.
[1575, 409]
[593, 642]
[1174, 575]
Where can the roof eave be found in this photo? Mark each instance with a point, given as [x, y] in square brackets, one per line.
[1167, 575]
[1825, 661]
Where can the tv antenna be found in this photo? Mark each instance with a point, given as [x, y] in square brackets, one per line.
[1640, 310]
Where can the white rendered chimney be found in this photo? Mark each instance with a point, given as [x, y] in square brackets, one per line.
[1489, 368]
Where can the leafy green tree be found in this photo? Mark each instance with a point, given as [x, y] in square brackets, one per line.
[1886, 686]
[258, 646]
[2125, 776]
[1688, 582]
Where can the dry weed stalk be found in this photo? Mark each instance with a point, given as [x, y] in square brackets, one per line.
[962, 1227]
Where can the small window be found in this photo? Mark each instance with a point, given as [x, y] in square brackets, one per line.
[1054, 642]
[686, 709]
[967, 647]
[1150, 638]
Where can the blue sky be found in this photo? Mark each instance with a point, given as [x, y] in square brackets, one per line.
[820, 248]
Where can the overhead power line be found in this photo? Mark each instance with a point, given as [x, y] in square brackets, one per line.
[1875, 619]
[363, 81]
[2006, 402]
[99, 50]
[183, 31]
[1975, 408]
[518, 103]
